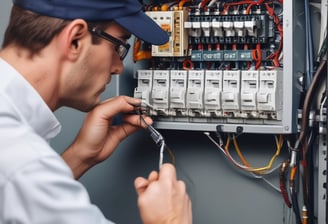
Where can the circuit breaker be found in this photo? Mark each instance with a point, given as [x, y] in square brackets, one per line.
[212, 93]
[145, 84]
[249, 92]
[160, 92]
[195, 92]
[231, 92]
[178, 90]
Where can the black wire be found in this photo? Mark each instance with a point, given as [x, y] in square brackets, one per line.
[296, 208]
[310, 95]
[326, 121]
[310, 166]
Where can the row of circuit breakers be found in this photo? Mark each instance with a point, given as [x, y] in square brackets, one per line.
[211, 93]
[221, 64]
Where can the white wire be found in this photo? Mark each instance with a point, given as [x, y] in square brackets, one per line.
[146, 104]
[321, 108]
[212, 3]
[222, 150]
[161, 154]
[156, 136]
[267, 182]
[287, 214]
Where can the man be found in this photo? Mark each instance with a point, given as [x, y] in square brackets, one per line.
[63, 53]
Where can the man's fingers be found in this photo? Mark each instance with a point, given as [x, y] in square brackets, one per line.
[131, 123]
[167, 172]
[153, 176]
[140, 185]
[136, 120]
[119, 104]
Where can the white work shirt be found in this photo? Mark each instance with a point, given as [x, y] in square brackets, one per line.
[36, 185]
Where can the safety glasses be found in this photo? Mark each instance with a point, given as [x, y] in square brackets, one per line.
[121, 48]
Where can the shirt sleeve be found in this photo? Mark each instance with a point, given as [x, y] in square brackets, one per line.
[44, 191]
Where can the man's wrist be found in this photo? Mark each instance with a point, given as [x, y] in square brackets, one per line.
[77, 164]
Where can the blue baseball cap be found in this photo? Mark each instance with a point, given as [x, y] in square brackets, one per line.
[127, 13]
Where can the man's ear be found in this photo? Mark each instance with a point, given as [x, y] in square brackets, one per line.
[76, 43]
[74, 37]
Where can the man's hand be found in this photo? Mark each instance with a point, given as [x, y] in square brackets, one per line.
[98, 137]
[162, 199]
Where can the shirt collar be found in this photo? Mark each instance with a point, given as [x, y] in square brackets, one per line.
[28, 102]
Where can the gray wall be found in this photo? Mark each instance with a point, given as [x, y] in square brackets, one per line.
[220, 193]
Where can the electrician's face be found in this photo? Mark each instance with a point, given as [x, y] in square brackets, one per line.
[98, 64]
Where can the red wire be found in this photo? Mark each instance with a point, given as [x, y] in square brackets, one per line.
[187, 64]
[257, 56]
[275, 56]
[282, 181]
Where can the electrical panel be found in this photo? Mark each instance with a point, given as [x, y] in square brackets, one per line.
[228, 65]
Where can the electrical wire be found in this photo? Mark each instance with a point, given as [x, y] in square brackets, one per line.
[326, 117]
[293, 192]
[322, 105]
[158, 139]
[182, 3]
[275, 57]
[317, 79]
[138, 53]
[282, 181]
[302, 144]
[257, 56]
[156, 136]
[305, 217]
[288, 217]
[299, 144]
[269, 166]
[245, 168]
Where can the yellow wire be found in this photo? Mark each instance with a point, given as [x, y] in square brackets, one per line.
[260, 169]
[226, 147]
[171, 154]
[181, 4]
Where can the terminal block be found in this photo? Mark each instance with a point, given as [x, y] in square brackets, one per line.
[217, 27]
[228, 28]
[212, 28]
[193, 25]
[206, 28]
[173, 23]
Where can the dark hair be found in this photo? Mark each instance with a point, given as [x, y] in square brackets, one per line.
[33, 32]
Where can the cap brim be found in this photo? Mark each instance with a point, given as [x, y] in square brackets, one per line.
[143, 27]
